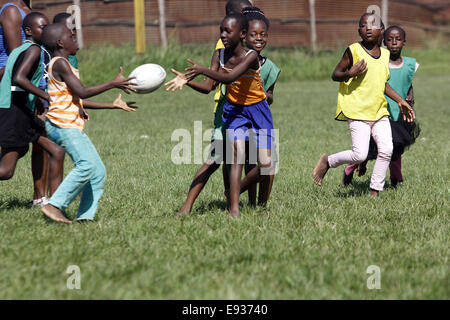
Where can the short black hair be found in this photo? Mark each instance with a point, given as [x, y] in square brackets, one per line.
[51, 34]
[402, 32]
[371, 14]
[254, 13]
[61, 17]
[235, 5]
[29, 19]
[240, 18]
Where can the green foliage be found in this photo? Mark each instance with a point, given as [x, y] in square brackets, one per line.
[297, 64]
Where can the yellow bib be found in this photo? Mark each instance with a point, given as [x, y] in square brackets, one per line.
[219, 92]
[362, 97]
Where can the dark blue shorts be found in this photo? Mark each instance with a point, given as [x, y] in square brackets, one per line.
[251, 123]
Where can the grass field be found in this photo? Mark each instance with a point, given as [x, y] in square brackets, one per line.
[309, 243]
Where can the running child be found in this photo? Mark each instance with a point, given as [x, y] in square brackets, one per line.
[246, 110]
[402, 70]
[257, 35]
[217, 153]
[65, 124]
[363, 73]
[19, 90]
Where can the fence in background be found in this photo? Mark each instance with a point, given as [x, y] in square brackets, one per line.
[196, 21]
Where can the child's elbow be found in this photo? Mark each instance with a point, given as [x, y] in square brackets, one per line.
[18, 80]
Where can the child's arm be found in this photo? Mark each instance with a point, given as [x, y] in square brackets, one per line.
[408, 112]
[205, 86]
[61, 70]
[117, 104]
[12, 24]
[344, 69]
[31, 56]
[269, 94]
[225, 78]
[410, 97]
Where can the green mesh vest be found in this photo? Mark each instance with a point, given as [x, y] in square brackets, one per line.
[5, 84]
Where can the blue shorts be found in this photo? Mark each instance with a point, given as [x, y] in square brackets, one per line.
[243, 122]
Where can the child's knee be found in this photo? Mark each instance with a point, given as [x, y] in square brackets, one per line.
[6, 174]
[359, 155]
[385, 150]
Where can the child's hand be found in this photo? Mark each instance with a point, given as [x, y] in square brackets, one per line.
[126, 106]
[407, 110]
[193, 71]
[358, 68]
[178, 82]
[123, 83]
[410, 100]
[83, 114]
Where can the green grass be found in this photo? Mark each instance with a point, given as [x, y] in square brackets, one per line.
[309, 243]
[101, 63]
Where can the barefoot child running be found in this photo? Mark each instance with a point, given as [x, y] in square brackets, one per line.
[402, 70]
[257, 35]
[363, 73]
[19, 89]
[246, 108]
[217, 153]
[65, 123]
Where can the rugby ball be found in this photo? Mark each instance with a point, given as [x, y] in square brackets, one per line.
[149, 77]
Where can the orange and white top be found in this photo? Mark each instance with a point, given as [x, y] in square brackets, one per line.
[247, 89]
[64, 108]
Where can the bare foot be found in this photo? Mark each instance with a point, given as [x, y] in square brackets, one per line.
[321, 169]
[373, 193]
[55, 214]
[183, 211]
[235, 214]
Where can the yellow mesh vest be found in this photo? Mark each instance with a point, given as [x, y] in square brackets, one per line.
[218, 93]
[362, 97]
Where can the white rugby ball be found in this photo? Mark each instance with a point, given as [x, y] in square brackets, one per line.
[149, 77]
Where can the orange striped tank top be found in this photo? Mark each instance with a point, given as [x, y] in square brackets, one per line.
[64, 108]
[247, 89]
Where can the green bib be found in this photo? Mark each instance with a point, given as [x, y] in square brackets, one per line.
[269, 74]
[400, 81]
[5, 84]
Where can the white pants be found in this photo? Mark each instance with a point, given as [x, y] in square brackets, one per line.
[360, 132]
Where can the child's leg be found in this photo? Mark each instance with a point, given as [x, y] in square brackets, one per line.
[235, 176]
[360, 133]
[267, 170]
[93, 190]
[200, 179]
[251, 188]
[74, 142]
[8, 161]
[395, 168]
[55, 161]
[39, 170]
[264, 170]
[381, 133]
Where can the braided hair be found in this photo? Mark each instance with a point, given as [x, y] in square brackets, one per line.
[254, 13]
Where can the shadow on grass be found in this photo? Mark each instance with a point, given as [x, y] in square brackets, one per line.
[356, 189]
[205, 207]
[14, 204]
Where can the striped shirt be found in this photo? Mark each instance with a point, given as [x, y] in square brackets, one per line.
[64, 108]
